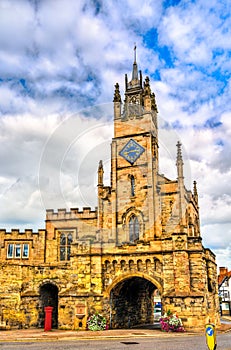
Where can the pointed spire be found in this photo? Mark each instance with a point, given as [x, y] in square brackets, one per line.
[136, 81]
[100, 173]
[135, 53]
[179, 161]
[180, 181]
[135, 68]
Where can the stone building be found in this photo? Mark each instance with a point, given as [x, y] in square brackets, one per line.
[143, 236]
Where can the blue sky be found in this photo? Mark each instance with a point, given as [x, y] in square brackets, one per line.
[60, 59]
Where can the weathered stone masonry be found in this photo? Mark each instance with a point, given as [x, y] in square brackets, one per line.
[144, 235]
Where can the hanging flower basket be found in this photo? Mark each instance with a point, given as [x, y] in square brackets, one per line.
[170, 322]
[97, 322]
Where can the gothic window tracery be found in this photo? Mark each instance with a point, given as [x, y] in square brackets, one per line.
[65, 246]
[134, 228]
[133, 106]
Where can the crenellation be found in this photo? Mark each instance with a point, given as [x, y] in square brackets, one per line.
[28, 231]
[74, 213]
[49, 211]
[15, 231]
[74, 210]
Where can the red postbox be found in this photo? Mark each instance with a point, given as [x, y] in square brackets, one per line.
[48, 318]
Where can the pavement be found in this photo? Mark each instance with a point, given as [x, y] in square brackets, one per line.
[33, 335]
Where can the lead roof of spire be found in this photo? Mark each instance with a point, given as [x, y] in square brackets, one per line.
[135, 82]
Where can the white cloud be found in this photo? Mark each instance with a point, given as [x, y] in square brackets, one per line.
[223, 256]
[16, 25]
[196, 30]
[218, 237]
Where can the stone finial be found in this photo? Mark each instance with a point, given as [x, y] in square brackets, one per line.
[141, 79]
[126, 81]
[153, 102]
[147, 89]
[194, 188]
[179, 158]
[100, 173]
[179, 161]
[195, 194]
[117, 97]
[147, 92]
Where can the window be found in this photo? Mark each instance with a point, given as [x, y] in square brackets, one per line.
[10, 251]
[134, 228]
[225, 306]
[132, 186]
[65, 246]
[17, 250]
[25, 251]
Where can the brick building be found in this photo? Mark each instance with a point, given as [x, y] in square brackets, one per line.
[144, 235]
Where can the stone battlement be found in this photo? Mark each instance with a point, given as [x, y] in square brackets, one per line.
[17, 232]
[74, 213]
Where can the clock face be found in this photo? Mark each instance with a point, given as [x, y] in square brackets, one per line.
[131, 151]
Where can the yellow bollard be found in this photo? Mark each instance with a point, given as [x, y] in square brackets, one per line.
[210, 333]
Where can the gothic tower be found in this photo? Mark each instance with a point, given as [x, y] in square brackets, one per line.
[143, 240]
[151, 220]
[134, 163]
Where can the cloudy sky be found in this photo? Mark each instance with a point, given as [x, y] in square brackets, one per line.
[59, 61]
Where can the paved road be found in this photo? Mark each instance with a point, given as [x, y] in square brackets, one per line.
[169, 343]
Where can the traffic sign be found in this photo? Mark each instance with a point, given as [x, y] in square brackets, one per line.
[210, 333]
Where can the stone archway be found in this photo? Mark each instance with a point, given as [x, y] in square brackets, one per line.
[131, 303]
[48, 296]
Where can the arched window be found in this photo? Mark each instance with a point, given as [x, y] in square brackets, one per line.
[134, 228]
[65, 246]
[132, 186]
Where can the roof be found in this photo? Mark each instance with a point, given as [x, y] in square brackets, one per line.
[224, 273]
